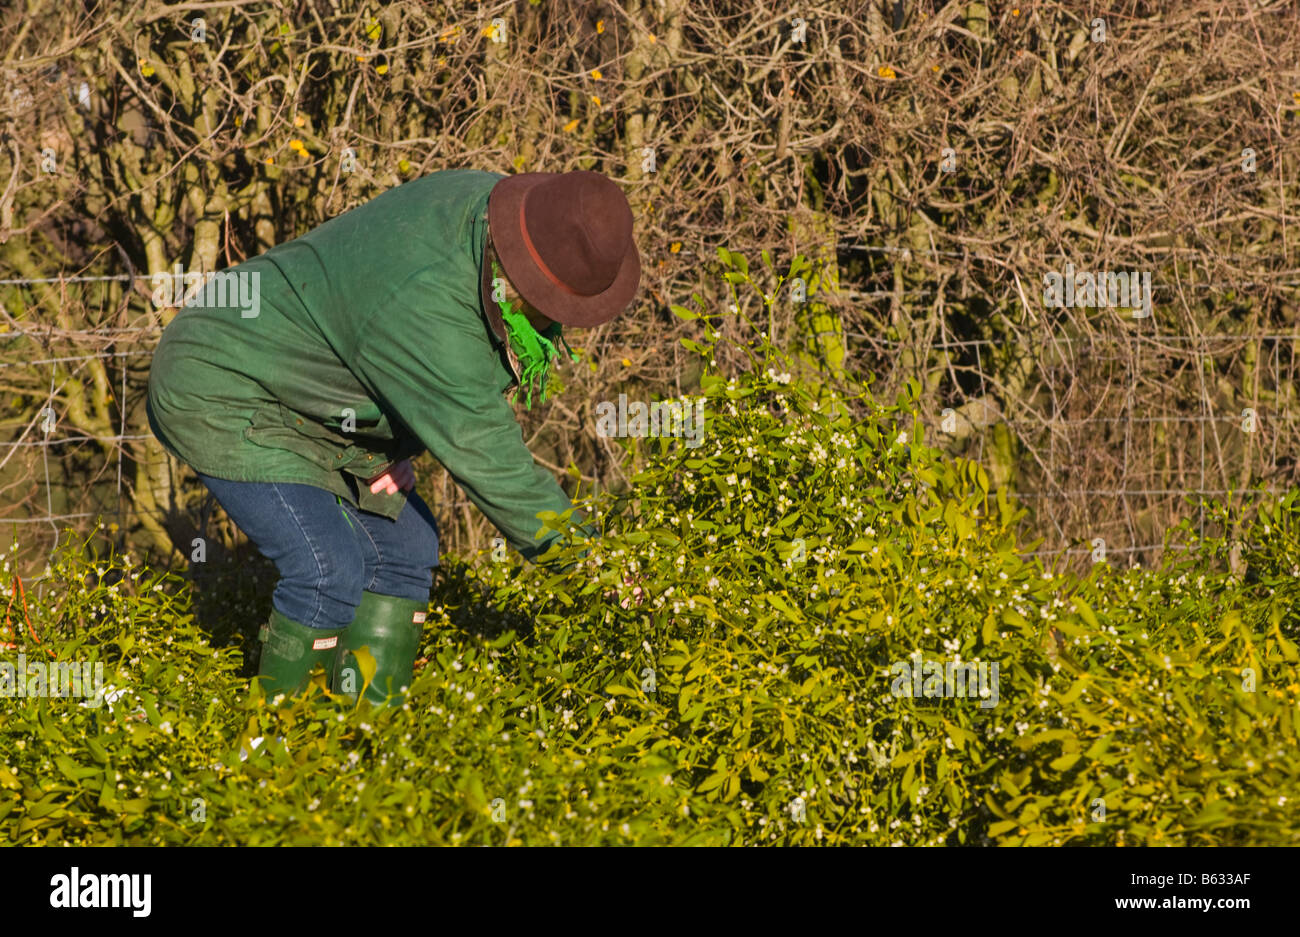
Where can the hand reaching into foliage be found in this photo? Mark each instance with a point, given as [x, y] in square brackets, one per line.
[637, 592]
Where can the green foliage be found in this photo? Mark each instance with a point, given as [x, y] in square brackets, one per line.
[715, 669]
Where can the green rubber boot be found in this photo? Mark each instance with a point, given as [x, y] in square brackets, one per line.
[390, 629]
[291, 651]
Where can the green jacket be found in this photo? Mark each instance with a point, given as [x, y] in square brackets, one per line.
[372, 340]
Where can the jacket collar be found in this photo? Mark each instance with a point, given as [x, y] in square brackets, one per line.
[490, 309]
[491, 313]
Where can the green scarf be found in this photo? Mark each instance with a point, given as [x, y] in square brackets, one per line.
[536, 350]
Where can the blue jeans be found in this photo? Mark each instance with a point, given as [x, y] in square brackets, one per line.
[327, 551]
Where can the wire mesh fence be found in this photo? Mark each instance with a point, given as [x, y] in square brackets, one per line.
[1114, 436]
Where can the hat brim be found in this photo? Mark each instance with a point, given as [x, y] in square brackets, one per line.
[550, 300]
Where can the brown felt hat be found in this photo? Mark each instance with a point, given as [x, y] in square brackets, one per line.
[565, 241]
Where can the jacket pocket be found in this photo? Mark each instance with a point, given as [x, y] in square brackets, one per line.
[274, 426]
[363, 453]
